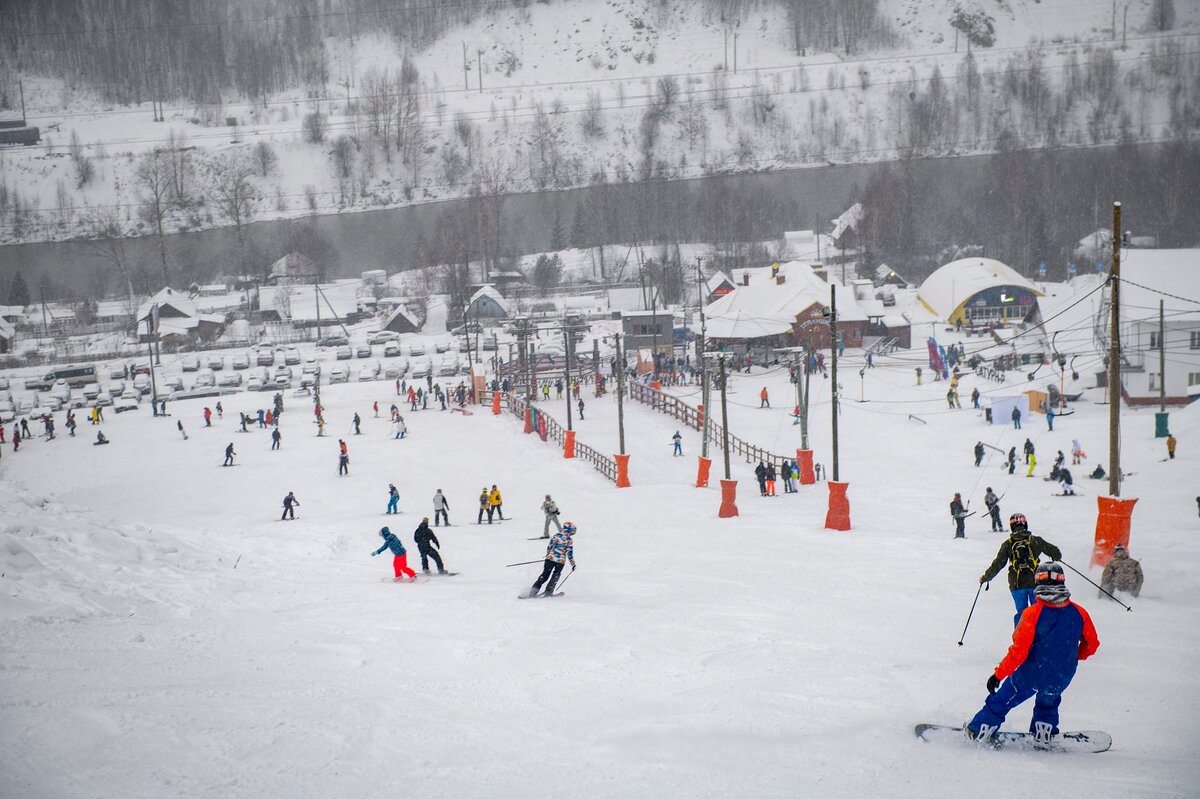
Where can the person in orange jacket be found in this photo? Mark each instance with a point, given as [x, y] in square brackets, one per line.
[764, 402]
[1054, 634]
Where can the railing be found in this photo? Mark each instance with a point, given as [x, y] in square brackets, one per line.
[690, 416]
[516, 406]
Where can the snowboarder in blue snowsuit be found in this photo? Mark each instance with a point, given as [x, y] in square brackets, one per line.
[1054, 634]
[393, 498]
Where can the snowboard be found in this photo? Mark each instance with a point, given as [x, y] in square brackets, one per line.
[1077, 742]
[443, 574]
[539, 596]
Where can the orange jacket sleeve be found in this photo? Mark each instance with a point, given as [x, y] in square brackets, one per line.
[1022, 640]
[1089, 642]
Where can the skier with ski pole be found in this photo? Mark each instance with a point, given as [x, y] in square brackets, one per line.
[1021, 551]
[1084, 576]
[560, 550]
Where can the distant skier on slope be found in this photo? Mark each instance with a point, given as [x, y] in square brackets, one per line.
[959, 514]
[993, 505]
[290, 503]
[1021, 551]
[441, 508]
[229, 453]
[560, 549]
[1051, 637]
[393, 498]
[550, 510]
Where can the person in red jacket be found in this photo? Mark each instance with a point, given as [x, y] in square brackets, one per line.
[1054, 634]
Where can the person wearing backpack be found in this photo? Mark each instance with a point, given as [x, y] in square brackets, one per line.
[1020, 551]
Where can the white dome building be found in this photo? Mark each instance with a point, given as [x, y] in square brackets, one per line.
[978, 291]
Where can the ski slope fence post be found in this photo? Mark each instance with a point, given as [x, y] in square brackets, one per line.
[804, 459]
[496, 403]
[728, 507]
[569, 444]
[838, 515]
[1112, 527]
[702, 470]
[622, 470]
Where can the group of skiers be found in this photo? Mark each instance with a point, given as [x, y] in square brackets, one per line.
[766, 474]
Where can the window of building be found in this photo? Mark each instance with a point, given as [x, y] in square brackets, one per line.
[1154, 379]
[1193, 379]
[1196, 339]
[1154, 342]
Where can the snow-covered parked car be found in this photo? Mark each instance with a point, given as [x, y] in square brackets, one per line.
[190, 363]
[344, 353]
[391, 349]
[240, 361]
[230, 380]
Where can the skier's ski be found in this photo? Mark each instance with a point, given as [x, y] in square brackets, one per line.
[539, 596]
[443, 574]
[538, 538]
[1078, 742]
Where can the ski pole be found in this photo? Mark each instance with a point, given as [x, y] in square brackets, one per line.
[524, 563]
[564, 582]
[1084, 576]
[972, 613]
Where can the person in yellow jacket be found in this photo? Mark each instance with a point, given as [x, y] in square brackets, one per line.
[495, 503]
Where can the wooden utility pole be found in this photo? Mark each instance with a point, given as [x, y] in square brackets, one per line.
[833, 341]
[479, 68]
[724, 417]
[1114, 361]
[466, 69]
[1162, 361]
[620, 393]
[701, 346]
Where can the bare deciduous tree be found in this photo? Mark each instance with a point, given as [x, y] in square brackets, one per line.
[154, 189]
[235, 195]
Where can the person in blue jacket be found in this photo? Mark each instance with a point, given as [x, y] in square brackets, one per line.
[560, 549]
[393, 498]
[400, 559]
[1054, 634]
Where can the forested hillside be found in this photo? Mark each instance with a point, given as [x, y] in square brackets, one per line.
[158, 118]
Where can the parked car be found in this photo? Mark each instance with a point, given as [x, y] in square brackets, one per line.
[464, 345]
[257, 379]
[283, 370]
[25, 405]
[90, 391]
[240, 361]
[291, 356]
[265, 357]
[118, 371]
[344, 353]
[489, 343]
[141, 383]
[103, 399]
[369, 371]
[33, 382]
[402, 366]
[60, 390]
[3, 383]
[339, 373]
[469, 327]
[383, 337]
[116, 387]
[390, 372]
[8, 410]
[416, 348]
[204, 379]
[230, 380]
[422, 368]
[363, 351]
[49, 401]
[125, 403]
[391, 349]
[216, 362]
[189, 363]
[333, 341]
[310, 367]
[442, 345]
[173, 382]
[448, 367]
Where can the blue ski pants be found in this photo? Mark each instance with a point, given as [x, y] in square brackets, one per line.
[1022, 598]
[392, 504]
[1013, 692]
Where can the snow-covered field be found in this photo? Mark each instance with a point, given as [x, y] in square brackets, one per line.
[165, 635]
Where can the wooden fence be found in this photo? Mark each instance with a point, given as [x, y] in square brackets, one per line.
[673, 406]
[515, 404]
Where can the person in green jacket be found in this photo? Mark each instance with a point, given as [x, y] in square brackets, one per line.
[1020, 551]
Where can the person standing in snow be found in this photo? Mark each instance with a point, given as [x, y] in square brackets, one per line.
[207, 417]
[1021, 551]
[1171, 447]
[343, 458]
[290, 503]
[426, 543]
[393, 499]
[993, 505]
[561, 549]
[1028, 449]
[1122, 573]
[1068, 485]
[1012, 460]
[1050, 639]
[1032, 464]
[959, 514]
[678, 442]
[484, 507]
[978, 452]
[1076, 452]
[760, 474]
[276, 437]
[1016, 418]
[400, 555]
[975, 398]
[771, 479]
[579, 404]
[495, 503]
[441, 509]
[550, 509]
[357, 424]
[229, 453]
[764, 400]
[178, 424]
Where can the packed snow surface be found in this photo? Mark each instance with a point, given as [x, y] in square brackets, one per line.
[164, 634]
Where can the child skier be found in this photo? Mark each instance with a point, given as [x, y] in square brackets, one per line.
[484, 507]
[1021, 551]
[1052, 637]
[678, 441]
[400, 559]
[560, 549]
[393, 498]
[426, 541]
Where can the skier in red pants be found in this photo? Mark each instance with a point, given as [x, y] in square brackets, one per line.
[400, 561]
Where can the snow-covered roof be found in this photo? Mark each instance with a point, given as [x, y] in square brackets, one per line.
[6, 329]
[400, 313]
[807, 245]
[293, 264]
[717, 280]
[167, 296]
[1148, 276]
[741, 324]
[490, 292]
[300, 302]
[956, 282]
[774, 306]
[849, 220]
[12, 312]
